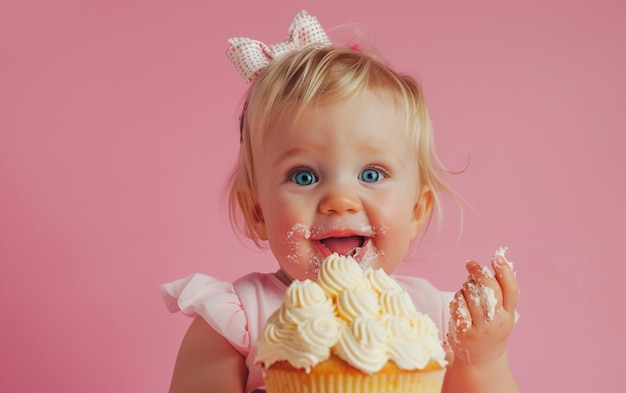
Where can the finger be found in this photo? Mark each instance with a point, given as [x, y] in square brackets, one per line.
[508, 282]
[460, 318]
[485, 277]
[488, 289]
[471, 293]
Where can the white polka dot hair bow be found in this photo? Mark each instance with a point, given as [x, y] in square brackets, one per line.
[250, 56]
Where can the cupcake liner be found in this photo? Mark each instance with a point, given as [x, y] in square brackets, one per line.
[298, 381]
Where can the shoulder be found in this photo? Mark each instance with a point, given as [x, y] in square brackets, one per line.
[260, 286]
[260, 295]
[259, 282]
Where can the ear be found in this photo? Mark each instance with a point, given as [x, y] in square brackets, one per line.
[421, 210]
[252, 213]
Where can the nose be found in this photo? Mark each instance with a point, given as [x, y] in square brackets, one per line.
[340, 202]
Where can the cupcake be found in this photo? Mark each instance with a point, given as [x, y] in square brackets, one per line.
[354, 331]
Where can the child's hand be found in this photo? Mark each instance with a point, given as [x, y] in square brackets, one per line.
[482, 313]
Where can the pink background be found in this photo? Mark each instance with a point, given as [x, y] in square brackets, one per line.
[118, 129]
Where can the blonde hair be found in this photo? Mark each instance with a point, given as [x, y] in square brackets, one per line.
[314, 75]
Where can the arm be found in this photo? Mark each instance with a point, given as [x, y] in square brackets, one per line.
[207, 362]
[480, 361]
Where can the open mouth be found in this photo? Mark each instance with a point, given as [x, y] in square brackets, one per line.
[346, 245]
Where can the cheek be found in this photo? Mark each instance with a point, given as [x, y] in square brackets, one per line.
[396, 217]
[395, 211]
[282, 220]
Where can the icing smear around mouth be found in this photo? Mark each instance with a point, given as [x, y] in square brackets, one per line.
[359, 245]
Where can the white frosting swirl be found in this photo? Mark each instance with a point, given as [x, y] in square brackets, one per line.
[302, 331]
[397, 303]
[380, 281]
[364, 317]
[362, 344]
[339, 273]
[357, 302]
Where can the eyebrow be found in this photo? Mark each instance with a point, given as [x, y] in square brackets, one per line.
[296, 151]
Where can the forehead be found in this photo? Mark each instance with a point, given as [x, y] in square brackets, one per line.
[367, 112]
[369, 123]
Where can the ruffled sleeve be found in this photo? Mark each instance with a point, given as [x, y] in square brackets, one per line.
[214, 300]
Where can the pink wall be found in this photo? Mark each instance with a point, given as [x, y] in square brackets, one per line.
[117, 131]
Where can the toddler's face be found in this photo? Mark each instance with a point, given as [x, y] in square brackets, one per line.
[344, 179]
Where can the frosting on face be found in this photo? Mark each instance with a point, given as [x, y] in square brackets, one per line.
[362, 316]
[310, 259]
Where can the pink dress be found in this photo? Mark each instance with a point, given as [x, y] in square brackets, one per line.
[239, 310]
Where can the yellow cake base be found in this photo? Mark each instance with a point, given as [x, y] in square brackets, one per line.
[336, 376]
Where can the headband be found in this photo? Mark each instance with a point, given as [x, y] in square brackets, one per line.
[251, 56]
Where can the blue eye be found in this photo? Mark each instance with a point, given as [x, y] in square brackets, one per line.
[370, 175]
[303, 177]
